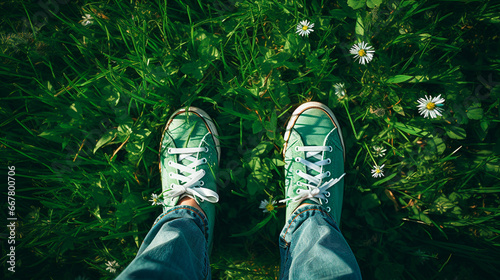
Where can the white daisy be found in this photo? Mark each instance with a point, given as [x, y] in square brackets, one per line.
[267, 205]
[378, 151]
[363, 52]
[430, 106]
[87, 19]
[112, 266]
[377, 171]
[340, 89]
[304, 28]
[156, 200]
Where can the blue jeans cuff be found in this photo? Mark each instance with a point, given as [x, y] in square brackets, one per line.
[183, 211]
[299, 216]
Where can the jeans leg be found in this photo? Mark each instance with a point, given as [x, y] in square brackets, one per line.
[174, 248]
[312, 247]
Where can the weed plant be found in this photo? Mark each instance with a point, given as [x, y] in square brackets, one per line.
[87, 87]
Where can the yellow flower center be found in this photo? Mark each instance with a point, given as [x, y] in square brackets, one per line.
[361, 52]
[431, 106]
[305, 27]
[378, 170]
[269, 207]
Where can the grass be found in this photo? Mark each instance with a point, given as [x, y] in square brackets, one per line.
[83, 107]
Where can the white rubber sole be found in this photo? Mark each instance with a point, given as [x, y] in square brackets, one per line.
[300, 110]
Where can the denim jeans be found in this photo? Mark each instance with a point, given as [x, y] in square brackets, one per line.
[311, 247]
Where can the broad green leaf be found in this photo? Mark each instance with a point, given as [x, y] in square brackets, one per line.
[398, 79]
[475, 112]
[292, 65]
[411, 129]
[210, 53]
[291, 43]
[492, 166]
[456, 132]
[256, 127]
[106, 138]
[124, 130]
[436, 145]
[442, 204]
[207, 51]
[484, 125]
[360, 27]
[419, 79]
[261, 148]
[373, 3]
[421, 217]
[338, 13]
[398, 109]
[194, 69]
[253, 185]
[278, 162]
[381, 181]
[280, 58]
[356, 4]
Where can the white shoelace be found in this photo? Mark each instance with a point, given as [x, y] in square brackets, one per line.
[188, 175]
[316, 188]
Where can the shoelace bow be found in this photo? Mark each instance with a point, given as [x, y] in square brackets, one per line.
[316, 188]
[191, 179]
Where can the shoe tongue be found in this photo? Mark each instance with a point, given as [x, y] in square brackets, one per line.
[184, 162]
[313, 160]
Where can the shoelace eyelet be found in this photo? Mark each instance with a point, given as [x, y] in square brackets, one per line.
[330, 148]
[202, 183]
[326, 200]
[204, 160]
[328, 161]
[206, 149]
[327, 194]
[298, 171]
[328, 209]
[296, 148]
[170, 163]
[170, 174]
[297, 159]
[328, 174]
[169, 150]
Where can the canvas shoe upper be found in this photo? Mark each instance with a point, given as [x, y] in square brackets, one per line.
[314, 159]
[189, 160]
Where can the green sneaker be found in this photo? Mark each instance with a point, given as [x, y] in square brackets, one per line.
[189, 160]
[314, 159]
